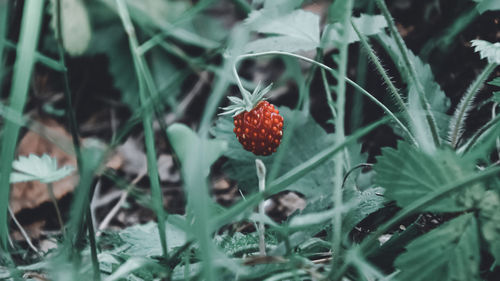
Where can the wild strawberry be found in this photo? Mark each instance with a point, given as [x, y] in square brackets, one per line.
[257, 123]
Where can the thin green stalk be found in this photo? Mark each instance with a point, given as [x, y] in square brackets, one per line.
[239, 38]
[357, 114]
[479, 133]
[23, 68]
[93, 247]
[396, 96]
[148, 129]
[50, 189]
[458, 121]
[410, 68]
[352, 83]
[70, 113]
[4, 13]
[339, 161]
[261, 175]
[328, 93]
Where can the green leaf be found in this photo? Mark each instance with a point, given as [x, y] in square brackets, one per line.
[298, 30]
[144, 240]
[449, 252]
[490, 51]
[308, 139]
[132, 265]
[35, 168]
[487, 5]
[489, 218]
[368, 201]
[75, 25]
[495, 82]
[240, 244]
[409, 173]
[183, 139]
[367, 25]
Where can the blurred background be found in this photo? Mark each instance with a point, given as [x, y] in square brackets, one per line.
[188, 41]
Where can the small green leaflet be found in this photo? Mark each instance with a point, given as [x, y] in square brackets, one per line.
[408, 174]
[490, 51]
[35, 168]
[296, 31]
[449, 252]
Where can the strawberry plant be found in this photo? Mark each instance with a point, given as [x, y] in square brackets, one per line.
[373, 154]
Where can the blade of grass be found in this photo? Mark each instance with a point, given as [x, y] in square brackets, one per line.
[459, 117]
[410, 69]
[92, 156]
[493, 124]
[361, 71]
[339, 160]
[395, 95]
[70, 115]
[4, 13]
[23, 68]
[148, 129]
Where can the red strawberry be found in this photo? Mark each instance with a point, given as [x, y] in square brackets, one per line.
[260, 129]
[257, 124]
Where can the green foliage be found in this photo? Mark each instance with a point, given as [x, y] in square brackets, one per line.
[143, 240]
[35, 168]
[183, 139]
[489, 219]
[450, 252]
[296, 31]
[490, 51]
[156, 47]
[408, 173]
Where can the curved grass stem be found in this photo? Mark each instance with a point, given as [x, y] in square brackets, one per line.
[147, 125]
[460, 115]
[23, 69]
[332, 71]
